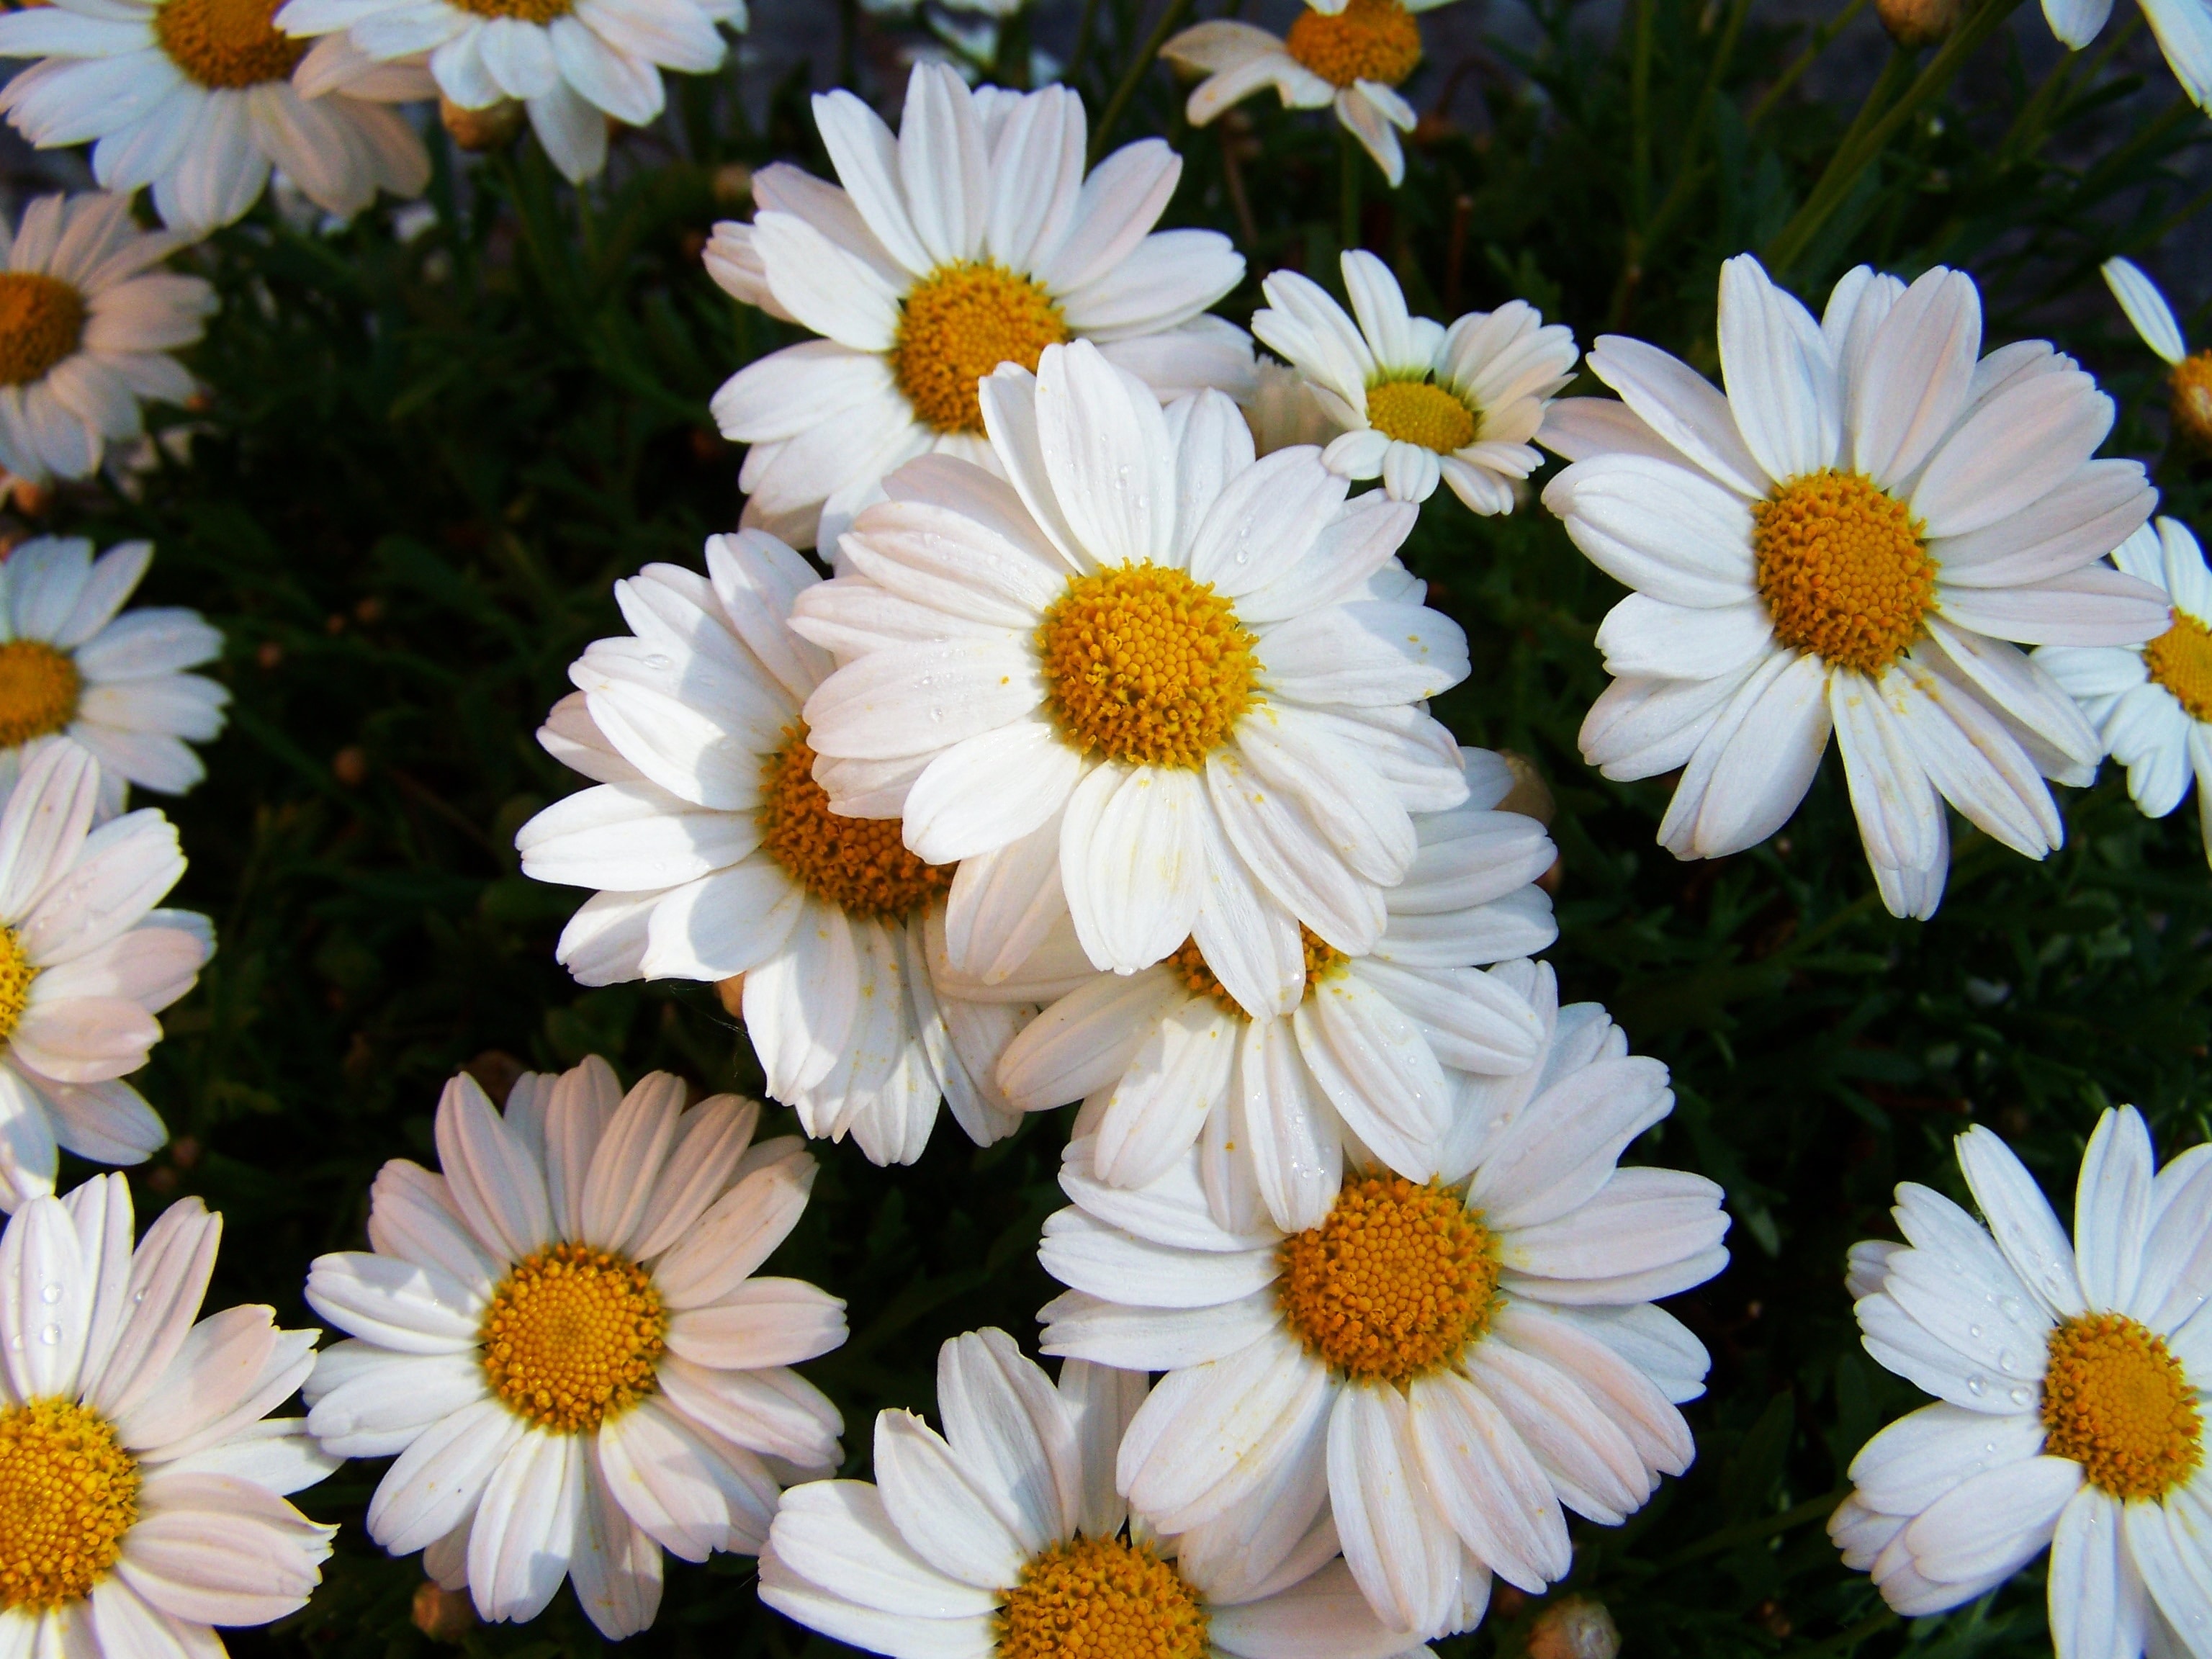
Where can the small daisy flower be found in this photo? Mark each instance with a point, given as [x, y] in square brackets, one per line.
[2152, 704]
[1004, 1538]
[1370, 1052]
[199, 98]
[2071, 1384]
[562, 1339]
[145, 1478]
[970, 239]
[86, 330]
[71, 667]
[1350, 54]
[1185, 686]
[1444, 1363]
[2154, 321]
[1420, 402]
[571, 63]
[717, 853]
[86, 961]
[1851, 540]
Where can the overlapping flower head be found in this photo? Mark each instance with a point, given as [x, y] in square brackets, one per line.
[1349, 55]
[1855, 538]
[716, 854]
[72, 667]
[146, 1481]
[2071, 1382]
[1005, 1536]
[2191, 383]
[86, 330]
[1420, 402]
[1440, 1363]
[563, 1339]
[199, 99]
[973, 238]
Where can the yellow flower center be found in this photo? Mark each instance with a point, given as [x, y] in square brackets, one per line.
[858, 865]
[1100, 1598]
[1146, 665]
[42, 320]
[572, 1336]
[1842, 569]
[1368, 40]
[16, 974]
[1398, 1279]
[2116, 1401]
[2180, 660]
[1188, 963]
[1420, 412]
[529, 11]
[2192, 405]
[227, 43]
[39, 690]
[959, 323]
[68, 1493]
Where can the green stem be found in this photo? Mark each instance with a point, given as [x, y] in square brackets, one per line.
[1086, 32]
[1640, 116]
[1845, 1640]
[1751, 1532]
[1789, 78]
[1132, 77]
[1348, 191]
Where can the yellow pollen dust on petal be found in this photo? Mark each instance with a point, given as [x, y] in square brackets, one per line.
[2115, 1400]
[68, 1493]
[16, 974]
[859, 865]
[39, 690]
[572, 1336]
[1399, 1279]
[1420, 412]
[2180, 660]
[1147, 666]
[1368, 40]
[1843, 569]
[2191, 403]
[957, 326]
[41, 324]
[227, 43]
[1100, 1598]
[1188, 963]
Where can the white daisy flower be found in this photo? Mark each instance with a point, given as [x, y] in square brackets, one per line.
[1444, 1363]
[1370, 1052]
[717, 853]
[1847, 541]
[1420, 402]
[572, 63]
[1185, 686]
[86, 961]
[199, 98]
[1350, 54]
[72, 667]
[2071, 1382]
[2183, 27]
[86, 330]
[970, 239]
[562, 1338]
[1004, 1538]
[145, 1478]
[2154, 321]
[2152, 704]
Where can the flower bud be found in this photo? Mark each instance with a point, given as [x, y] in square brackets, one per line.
[1576, 1628]
[1916, 23]
[480, 129]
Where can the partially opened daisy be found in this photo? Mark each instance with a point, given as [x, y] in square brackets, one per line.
[1418, 401]
[562, 1338]
[71, 666]
[86, 330]
[2154, 321]
[86, 961]
[2071, 1384]
[1004, 1538]
[1443, 1362]
[145, 1480]
[1370, 1050]
[1149, 669]
[1856, 539]
[716, 853]
[200, 98]
[2152, 703]
[572, 64]
[972, 239]
[1350, 54]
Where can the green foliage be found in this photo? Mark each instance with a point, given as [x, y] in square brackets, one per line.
[423, 463]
